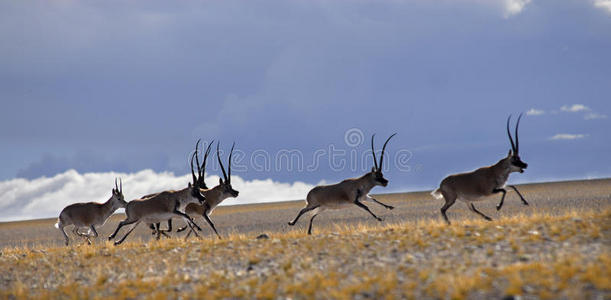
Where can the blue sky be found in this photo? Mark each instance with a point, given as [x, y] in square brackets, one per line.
[123, 87]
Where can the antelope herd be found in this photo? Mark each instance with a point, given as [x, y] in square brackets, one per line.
[196, 199]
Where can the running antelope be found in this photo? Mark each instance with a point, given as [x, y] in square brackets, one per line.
[161, 207]
[157, 232]
[475, 185]
[200, 172]
[215, 195]
[348, 192]
[90, 214]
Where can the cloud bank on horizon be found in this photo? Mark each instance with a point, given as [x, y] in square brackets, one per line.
[45, 197]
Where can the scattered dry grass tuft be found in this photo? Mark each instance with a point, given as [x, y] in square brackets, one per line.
[540, 255]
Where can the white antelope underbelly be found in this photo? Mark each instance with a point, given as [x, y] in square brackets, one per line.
[158, 218]
[337, 205]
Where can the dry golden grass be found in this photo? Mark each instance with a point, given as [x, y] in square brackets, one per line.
[548, 256]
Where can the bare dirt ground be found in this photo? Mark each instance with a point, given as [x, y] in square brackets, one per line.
[253, 219]
[558, 247]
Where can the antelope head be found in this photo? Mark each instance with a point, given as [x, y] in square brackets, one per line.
[375, 176]
[226, 184]
[513, 157]
[118, 201]
[198, 181]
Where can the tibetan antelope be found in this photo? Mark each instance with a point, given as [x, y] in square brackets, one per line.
[475, 185]
[215, 195]
[161, 207]
[90, 214]
[348, 192]
[155, 227]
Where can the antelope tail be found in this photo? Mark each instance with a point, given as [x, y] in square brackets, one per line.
[57, 224]
[437, 194]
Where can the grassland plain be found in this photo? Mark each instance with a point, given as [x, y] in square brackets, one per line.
[559, 247]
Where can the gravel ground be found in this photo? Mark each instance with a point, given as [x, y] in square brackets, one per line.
[552, 198]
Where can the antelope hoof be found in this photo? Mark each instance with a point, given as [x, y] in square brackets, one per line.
[116, 243]
[390, 207]
[488, 219]
[525, 203]
[291, 224]
[498, 207]
[380, 219]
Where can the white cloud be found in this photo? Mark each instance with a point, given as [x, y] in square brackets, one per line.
[514, 7]
[603, 4]
[574, 108]
[567, 136]
[45, 197]
[534, 112]
[592, 116]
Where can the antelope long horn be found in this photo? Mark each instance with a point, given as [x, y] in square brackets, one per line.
[373, 152]
[229, 167]
[206, 154]
[384, 149]
[218, 156]
[116, 186]
[199, 172]
[516, 135]
[192, 172]
[203, 168]
[513, 146]
[120, 185]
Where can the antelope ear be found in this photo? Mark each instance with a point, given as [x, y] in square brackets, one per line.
[510, 153]
[373, 169]
[220, 180]
[189, 184]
